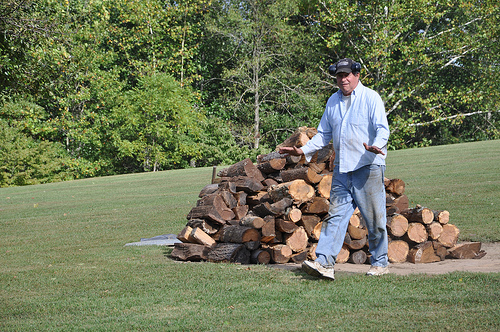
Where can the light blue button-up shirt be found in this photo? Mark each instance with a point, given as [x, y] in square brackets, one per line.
[364, 122]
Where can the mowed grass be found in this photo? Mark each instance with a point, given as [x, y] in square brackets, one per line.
[64, 267]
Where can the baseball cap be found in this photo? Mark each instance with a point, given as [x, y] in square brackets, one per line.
[344, 66]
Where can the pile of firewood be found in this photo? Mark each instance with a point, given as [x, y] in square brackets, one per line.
[272, 212]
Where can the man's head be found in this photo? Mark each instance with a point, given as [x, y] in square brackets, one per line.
[346, 72]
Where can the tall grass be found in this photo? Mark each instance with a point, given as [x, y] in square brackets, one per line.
[64, 267]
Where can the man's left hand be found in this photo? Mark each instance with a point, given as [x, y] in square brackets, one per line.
[373, 149]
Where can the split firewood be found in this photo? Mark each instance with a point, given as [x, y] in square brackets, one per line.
[395, 186]
[228, 198]
[299, 138]
[229, 253]
[243, 168]
[285, 226]
[440, 250]
[185, 235]
[299, 257]
[240, 211]
[203, 238]
[318, 205]
[206, 212]
[276, 155]
[449, 235]
[268, 230]
[190, 252]
[396, 204]
[317, 231]
[209, 189]
[397, 251]
[207, 226]
[247, 184]
[423, 253]
[311, 253]
[309, 222]
[355, 244]
[466, 251]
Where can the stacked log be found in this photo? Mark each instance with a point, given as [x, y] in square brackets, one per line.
[272, 212]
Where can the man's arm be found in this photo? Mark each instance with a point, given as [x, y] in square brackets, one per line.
[293, 151]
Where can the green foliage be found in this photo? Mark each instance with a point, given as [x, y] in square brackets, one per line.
[156, 126]
[25, 161]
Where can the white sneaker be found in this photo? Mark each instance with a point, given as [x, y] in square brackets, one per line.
[317, 270]
[377, 270]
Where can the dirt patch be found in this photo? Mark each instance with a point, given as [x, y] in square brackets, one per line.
[489, 263]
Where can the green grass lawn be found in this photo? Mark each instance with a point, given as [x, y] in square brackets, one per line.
[64, 267]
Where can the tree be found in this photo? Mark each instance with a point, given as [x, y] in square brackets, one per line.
[265, 74]
[425, 60]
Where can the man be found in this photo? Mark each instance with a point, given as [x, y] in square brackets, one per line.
[355, 120]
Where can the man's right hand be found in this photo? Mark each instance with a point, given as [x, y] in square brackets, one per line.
[293, 151]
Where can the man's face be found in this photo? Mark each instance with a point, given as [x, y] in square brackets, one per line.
[347, 82]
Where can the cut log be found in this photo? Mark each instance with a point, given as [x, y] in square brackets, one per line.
[228, 198]
[207, 226]
[285, 226]
[297, 241]
[299, 257]
[206, 212]
[241, 197]
[449, 235]
[272, 165]
[276, 155]
[434, 229]
[258, 198]
[268, 231]
[293, 214]
[317, 231]
[280, 253]
[396, 204]
[190, 252]
[203, 238]
[357, 233]
[260, 256]
[318, 205]
[358, 257]
[397, 251]
[397, 225]
[467, 250]
[247, 184]
[419, 214]
[423, 253]
[240, 211]
[229, 253]
[298, 190]
[244, 168]
[355, 220]
[324, 154]
[440, 250]
[311, 253]
[442, 216]
[343, 255]
[396, 186]
[238, 234]
[252, 221]
[325, 186]
[309, 221]
[298, 138]
[416, 233]
[209, 189]
[355, 244]
[268, 182]
[303, 173]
